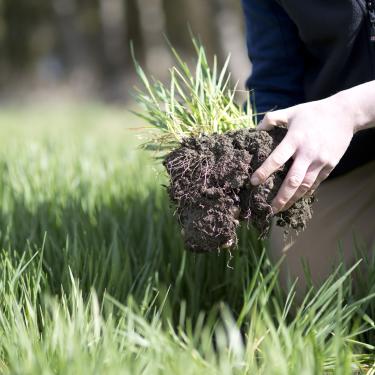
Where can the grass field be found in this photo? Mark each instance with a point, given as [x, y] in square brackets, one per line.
[94, 278]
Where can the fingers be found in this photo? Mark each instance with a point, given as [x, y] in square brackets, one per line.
[325, 172]
[291, 184]
[272, 119]
[282, 153]
[308, 182]
[314, 177]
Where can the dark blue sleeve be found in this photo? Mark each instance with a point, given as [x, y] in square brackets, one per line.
[275, 51]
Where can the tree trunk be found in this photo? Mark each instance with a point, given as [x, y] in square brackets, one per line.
[112, 17]
[157, 55]
[176, 22]
[134, 32]
[74, 49]
[231, 36]
[200, 18]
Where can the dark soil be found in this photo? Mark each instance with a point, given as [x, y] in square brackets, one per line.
[210, 185]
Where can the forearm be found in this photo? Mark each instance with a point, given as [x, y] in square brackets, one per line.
[359, 103]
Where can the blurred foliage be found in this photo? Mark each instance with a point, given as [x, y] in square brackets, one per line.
[52, 40]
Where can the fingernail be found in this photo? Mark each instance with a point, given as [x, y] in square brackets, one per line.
[275, 208]
[255, 180]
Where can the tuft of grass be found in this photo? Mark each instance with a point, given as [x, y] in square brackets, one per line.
[94, 279]
[195, 101]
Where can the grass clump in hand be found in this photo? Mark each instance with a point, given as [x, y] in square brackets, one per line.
[210, 149]
[197, 101]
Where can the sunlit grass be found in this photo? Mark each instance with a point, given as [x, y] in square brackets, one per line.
[94, 278]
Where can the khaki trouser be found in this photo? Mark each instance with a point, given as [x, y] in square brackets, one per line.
[343, 221]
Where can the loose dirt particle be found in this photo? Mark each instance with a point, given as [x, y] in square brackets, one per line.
[210, 185]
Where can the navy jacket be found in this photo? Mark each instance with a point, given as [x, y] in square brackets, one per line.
[304, 50]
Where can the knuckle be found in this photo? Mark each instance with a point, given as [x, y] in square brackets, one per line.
[323, 158]
[276, 159]
[306, 185]
[298, 137]
[324, 176]
[295, 138]
[268, 117]
[294, 181]
[315, 185]
[330, 166]
[260, 175]
[326, 172]
[281, 202]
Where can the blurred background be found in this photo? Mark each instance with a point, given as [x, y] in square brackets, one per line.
[79, 49]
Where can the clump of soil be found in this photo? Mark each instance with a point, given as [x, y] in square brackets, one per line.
[210, 185]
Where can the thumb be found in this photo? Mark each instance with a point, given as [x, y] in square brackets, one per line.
[276, 118]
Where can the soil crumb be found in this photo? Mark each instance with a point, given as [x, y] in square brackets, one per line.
[210, 185]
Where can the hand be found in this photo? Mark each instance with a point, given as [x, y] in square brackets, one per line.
[318, 135]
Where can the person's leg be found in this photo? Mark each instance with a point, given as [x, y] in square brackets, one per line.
[343, 220]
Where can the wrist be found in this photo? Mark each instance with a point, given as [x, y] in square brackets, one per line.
[357, 105]
[350, 109]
